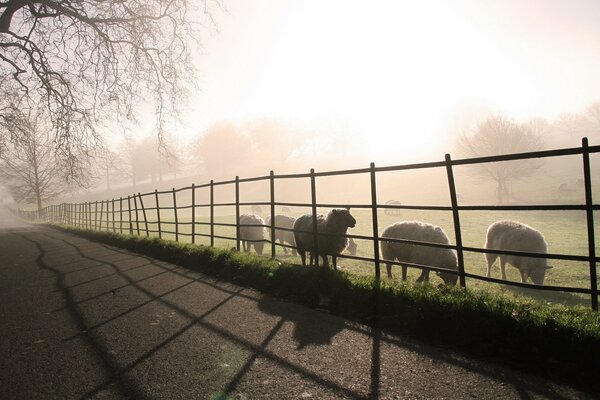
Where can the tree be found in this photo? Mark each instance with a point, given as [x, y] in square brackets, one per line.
[500, 135]
[29, 167]
[85, 62]
[224, 151]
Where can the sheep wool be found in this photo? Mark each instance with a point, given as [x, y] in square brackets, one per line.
[252, 232]
[516, 236]
[283, 236]
[418, 254]
[333, 226]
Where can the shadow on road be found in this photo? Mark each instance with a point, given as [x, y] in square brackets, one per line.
[308, 330]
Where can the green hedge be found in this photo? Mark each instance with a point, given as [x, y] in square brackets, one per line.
[554, 341]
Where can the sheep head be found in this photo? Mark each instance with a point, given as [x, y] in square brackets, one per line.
[343, 217]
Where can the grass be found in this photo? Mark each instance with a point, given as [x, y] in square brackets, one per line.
[565, 231]
[561, 342]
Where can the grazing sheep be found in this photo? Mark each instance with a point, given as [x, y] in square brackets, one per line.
[283, 221]
[336, 223]
[418, 254]
[516, 236]
[252, 235]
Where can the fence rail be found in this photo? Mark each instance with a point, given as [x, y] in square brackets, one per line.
[110, 214]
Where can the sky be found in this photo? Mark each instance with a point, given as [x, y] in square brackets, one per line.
[397, 76]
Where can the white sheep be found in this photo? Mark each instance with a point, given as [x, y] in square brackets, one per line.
[252, 232]
[334, 225]
[418, 254]
[516, 236]
[283, 221]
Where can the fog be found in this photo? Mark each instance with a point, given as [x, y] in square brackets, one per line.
[289, 86]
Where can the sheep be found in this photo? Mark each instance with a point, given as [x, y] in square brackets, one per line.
[516, 236]
[283, 221]
[351, 246]
[335, 223]
[418, 254]
[252, 235]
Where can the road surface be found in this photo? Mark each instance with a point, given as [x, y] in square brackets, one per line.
[85, 320]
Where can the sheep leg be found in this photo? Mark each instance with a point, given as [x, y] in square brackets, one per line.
[503, 267]
[491, 259]
[244, 246]
[334, 262]
[404, 272]
[424, 276]
[388, 266]
[302, 257]
[524, 275]
[325, 261]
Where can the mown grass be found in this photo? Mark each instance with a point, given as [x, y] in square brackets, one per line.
[561, 342]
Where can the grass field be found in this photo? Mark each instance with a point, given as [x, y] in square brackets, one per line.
[565, 232]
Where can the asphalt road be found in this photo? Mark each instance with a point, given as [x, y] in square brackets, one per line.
[80, 319]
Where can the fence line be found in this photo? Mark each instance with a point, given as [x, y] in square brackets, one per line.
[80, 214]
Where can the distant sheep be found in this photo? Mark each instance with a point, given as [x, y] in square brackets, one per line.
[283, 221]
[392, 211]
[253, 234]
[516, 236]
[418, 254]
[335, 225]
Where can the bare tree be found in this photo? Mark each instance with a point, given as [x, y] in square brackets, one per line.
[87, 61]
[29, 167]
[500, 135]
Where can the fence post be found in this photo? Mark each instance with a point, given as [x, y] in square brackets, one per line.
[237, 213]
[193, 213]
[157, 213]
[144, 214]
[313, 199]
[90, 214]
[96, 215]
[212, 213]
[375, 222]
[137, 215]
[272, 187]
[112, 209]
[589, 210]
[121, 215]
[101, 212]
[176, 219]
[129, 212]
[456, 218]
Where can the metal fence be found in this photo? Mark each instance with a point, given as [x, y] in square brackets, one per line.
[123, 214]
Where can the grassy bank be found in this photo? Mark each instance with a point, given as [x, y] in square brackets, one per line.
[555, 341]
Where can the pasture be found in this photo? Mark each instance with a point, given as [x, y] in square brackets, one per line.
[565, 232]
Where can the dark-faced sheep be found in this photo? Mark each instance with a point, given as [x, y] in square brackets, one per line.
[516, 236]
[252, 232]
[351, 246]
[418, 254]
[332, 229]
[283, 236]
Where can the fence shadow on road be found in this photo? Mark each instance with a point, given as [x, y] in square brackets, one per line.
[307, 331]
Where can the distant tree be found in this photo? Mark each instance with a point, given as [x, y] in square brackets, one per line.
[85, 62]
[500, 135]
[224, 151]
[29, 166]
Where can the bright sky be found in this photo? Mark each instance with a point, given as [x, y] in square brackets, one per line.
[395, 73]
